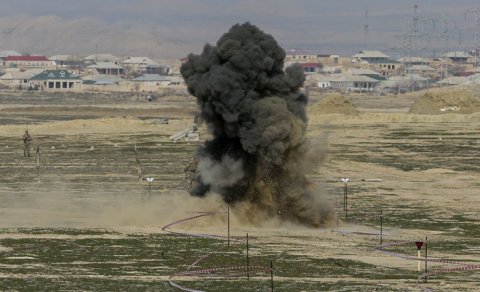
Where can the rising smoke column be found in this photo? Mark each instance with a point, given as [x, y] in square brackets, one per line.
[256, 113]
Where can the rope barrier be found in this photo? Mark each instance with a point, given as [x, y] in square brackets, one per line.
[236, 271]
[463, 266]
[233, 271]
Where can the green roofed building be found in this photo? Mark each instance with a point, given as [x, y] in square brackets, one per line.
[57, 80]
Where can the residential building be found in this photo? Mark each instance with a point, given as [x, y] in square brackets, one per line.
[310, 68]
[319, 80]
[353, 83]
[366, 72]
[67, 61]
[101, 79]
[95, 58]
[300, 56]
[158, 80]
[107, 68]
[458, 56]
[57, 80]
[377, 61]
[369, 56]
[16, 79]
[328, 59]
[144, 64]
[27, 62]
[410, 61]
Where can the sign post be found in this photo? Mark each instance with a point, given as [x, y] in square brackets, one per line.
[150, 180]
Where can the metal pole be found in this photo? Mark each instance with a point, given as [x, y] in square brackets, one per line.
[271, 274]
[426, 260]
[149, 188]
[381, 229]
[346, 204]
[228, 226]
[248, 262]
[37, 152]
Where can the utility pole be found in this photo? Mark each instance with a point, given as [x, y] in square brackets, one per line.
[366, 29]
[445, 43]
[476, 12]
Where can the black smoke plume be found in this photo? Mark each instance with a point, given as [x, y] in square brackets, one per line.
[256, 113]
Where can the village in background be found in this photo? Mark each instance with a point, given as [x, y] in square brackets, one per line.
[368, 71]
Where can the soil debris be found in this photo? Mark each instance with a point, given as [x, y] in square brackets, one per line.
[332, 104]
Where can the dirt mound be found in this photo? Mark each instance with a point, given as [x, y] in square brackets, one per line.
[441, 102]
[333, 104]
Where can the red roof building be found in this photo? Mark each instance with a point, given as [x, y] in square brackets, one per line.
[26, 58]
[27, 62]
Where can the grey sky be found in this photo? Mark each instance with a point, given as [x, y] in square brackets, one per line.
[320, 25]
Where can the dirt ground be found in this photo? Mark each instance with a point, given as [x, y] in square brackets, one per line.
[83, 220]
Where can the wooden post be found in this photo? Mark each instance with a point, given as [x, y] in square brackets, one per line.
[228, 226]
[248, 262]
[271, 274]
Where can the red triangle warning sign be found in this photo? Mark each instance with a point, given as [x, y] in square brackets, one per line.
[419, 244]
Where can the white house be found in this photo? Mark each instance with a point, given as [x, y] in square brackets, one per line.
[107, 68]
[356, 83]
[18, 79]
[320, 80]
[144, 64]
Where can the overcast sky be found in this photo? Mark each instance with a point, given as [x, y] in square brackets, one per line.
[323, 26]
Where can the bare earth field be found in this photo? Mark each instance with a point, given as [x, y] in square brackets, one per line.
[85, 221]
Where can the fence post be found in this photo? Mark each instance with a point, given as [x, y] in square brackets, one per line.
[248, 262]
[271, 274]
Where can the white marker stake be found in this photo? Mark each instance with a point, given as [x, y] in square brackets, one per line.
[419, 245]
[419, 261]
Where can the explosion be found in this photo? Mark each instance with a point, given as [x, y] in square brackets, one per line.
[259, 154]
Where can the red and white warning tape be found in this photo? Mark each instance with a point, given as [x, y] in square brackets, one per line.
[229, 271]
[463, 265]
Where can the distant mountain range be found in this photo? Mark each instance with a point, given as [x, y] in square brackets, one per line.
[51, 35]
[170, 37]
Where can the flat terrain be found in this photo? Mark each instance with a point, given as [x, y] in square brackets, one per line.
[84, 220]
